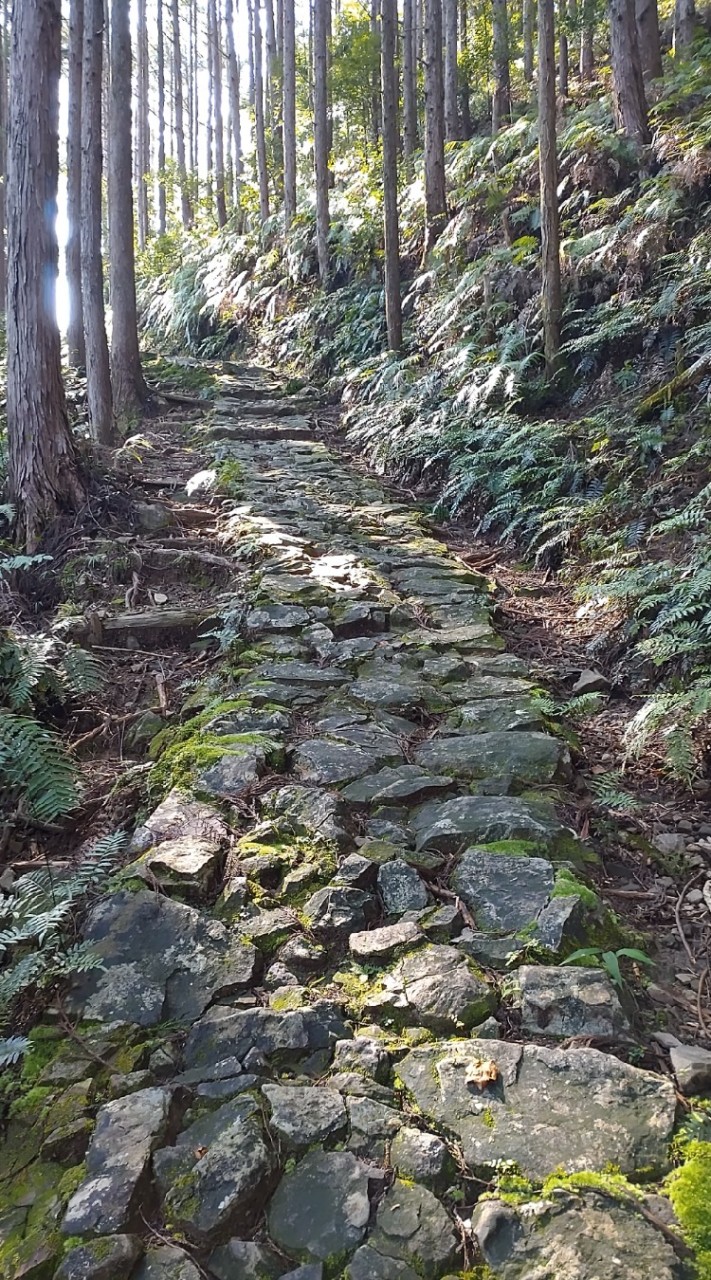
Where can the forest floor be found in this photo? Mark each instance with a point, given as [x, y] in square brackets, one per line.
[341, 783]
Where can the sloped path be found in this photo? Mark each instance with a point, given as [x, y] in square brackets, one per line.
[309, 1053]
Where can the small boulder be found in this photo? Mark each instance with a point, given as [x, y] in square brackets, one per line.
[321, 1209]
[692, 1068]
[304, 1115]
[401, 888]
[111, 1258]
[569, 1002]
[412, 1226]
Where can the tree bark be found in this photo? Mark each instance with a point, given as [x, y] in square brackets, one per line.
[289, 110]
[75, 328]
[650, 48]
[186, 209]
[529, 22]
[42, 465]
[321, 135]
[464, 86]
[376, 113]
[435, 183]
[160, 54]
[628, 100]
[451, 88]
[260, 137]
[129, 388]
[388, 45]
[216, 56]
[409, 82]
[143, 164]
[98, 377]
[587, 54]
[501, 105]
[684, 20]
[563, 58]
[548, 167]
[233, 83]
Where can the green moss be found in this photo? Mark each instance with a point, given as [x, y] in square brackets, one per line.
[192, 751]
[487, 1118]
[568, 886]
[70, 1180]
[610, 1181]
[46, 1043]
[689, 1189]
[182, 1201]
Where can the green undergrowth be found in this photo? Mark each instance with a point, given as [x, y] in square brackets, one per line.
[181, 754]
[689, 1189]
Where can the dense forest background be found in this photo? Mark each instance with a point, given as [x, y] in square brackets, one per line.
[482, 226]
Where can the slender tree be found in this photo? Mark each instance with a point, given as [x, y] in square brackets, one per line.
[528, 25]
[409, 81]
[376, 113]
[260, 136]
[233, 79]
[650, 48]
[43, 474]
[563, 58]
[160, 55]
[628, 99]
[323, 216]
[75, 328]
[98, 377]
[684, 20]
[451, 81]
[289, 109]
[143, 164]
[216, 55]
[501, 103]
[129, 389]
[435, 184]
[185, 205]
[388, 46]
[548, 167]
[587, 53]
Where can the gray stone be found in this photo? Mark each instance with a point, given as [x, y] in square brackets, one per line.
[267, 928]
[151, 517]
[364, 1055]
[167, 1262]
[307, 673]
[236, 772]
[381, 944]
[277, 975]
[372, 1127]
[161, 960]
[176, 817]
[276, 617]
[245, 1260]
[543, 1108]
[435, 987]
[127, 1132]
[692, 1068]
[405, 784]
[368, 1264]
[299, 953]
[303, 1114]
[561, 920]
[591, 682]
[190, 865]
[309, 1271]
[224, 1032]
[424, 1158]
[325, 763]
[265, 720]
[338, 910]
[233, 896]
[357, 871]
[573, 1237]
[111, 1258]
[524, 758]
[503, 893]
[321, 1209]
[569, 1002]
[308, 812]
[452, 825]
[493, 952]
[412, 1225]
[397, 694]
[442, 923]
[225, 1168]
[494, 716]
[401, 888]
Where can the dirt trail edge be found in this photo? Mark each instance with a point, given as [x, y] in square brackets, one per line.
[332, 1036]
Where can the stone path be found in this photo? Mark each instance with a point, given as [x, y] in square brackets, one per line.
[307, 1053]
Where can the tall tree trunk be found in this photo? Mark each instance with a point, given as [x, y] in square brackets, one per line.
[629, 102]
[684, 21]
[501, 105]
[548, 166]
[409, 83]
[160, 53]
[376, 119]
[143, 135]
[587, 54]
[451, 88]
[98, 377]
[563, 59]
[435, 184]
[75, 328]
[186, 210]
[233, 82]
[260, 137]
[464, 86]
[289, 110]
[650, 48]
[216, 56]
[269, 64]
[129, 389]
[193, 125]
[529, 22]
[4, 66]
[388, 45]
[321, 135]
[42, 466]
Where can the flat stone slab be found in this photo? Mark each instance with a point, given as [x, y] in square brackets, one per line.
[161, 960]
[380, 944]
[451, 825]
[321, 1210]
[324, 763]
[544, 1108]
[127, 1131]
[501, 716]
[503, 893]
[189, 864]
[302, 1115]
[401, 888]
[573, 1236]
[110, 1258]
[436, 987]
[308, 811]
[692, 1067]
[566, 1002]
[177, 816]
[412, 1226]
[525, 758]
[230, 1033]
[404, 784]
[167, 1262]
[338, 910]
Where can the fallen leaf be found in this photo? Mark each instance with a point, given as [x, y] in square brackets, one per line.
[482, 1071]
